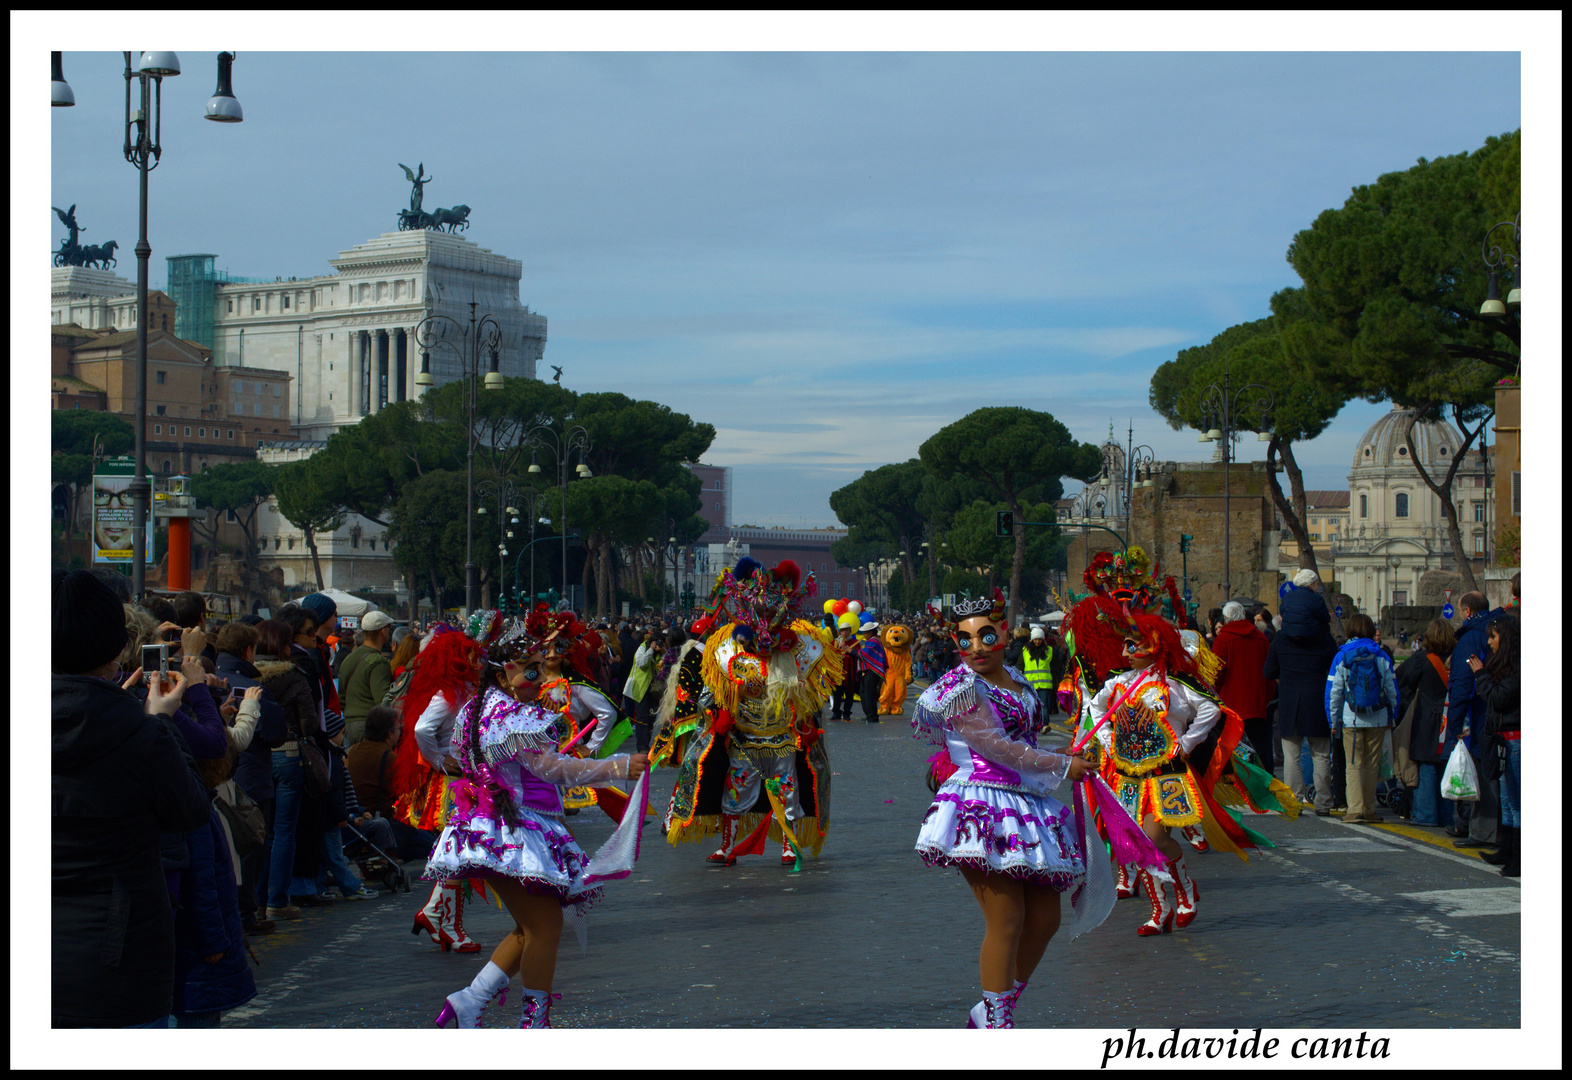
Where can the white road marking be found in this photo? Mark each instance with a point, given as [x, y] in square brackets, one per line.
[292, 979]
[1463, 903]
[1440, 931]
[1330, 845]
[1428, 849]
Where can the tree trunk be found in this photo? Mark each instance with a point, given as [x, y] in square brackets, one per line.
[1444, 489]
[589, 568]
[316, 561]
[1293, 511]
[933, 573]
[1016, 562]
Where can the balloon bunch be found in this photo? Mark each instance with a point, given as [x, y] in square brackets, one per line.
[839, 613]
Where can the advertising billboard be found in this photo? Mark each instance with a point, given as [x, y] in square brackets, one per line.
[113, 513]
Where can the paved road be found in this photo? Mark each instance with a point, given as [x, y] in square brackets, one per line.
[1340, 925]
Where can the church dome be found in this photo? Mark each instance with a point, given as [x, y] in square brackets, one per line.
[1384, 447]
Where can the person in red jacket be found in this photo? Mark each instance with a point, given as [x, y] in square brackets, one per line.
[1241, 646]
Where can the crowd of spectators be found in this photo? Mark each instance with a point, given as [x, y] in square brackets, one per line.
[201, 791]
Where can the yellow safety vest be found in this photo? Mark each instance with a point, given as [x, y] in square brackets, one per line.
[1037, 671]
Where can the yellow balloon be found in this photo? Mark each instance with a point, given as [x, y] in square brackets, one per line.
[848, 619]
[828, 604]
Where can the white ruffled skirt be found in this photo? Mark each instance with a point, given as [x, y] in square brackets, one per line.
[539, 853]
[1003, 832]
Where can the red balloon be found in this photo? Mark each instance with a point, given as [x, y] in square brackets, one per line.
[840, 608]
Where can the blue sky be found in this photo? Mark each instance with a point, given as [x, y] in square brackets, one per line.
[829, 256]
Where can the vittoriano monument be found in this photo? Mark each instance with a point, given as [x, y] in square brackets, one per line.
[72, 253]
[415, 218]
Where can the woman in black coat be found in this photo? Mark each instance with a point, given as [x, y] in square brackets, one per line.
[1419, 681]
[1499, 682]
[1300, 666]
[119, 778]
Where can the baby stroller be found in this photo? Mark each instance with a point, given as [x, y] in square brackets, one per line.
[376, 864]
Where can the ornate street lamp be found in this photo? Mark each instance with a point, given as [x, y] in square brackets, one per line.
[1498, 260]
[561, 445]
[143, 148]
[483, 334]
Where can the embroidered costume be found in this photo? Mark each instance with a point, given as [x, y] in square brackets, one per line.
[1171, 748]
[518, 752]
[994, 811]
[757, 758]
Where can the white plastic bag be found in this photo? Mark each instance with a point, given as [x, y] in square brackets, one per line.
[1460, 782]
[1384, 770]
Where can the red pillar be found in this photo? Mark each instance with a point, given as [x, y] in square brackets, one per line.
[179, 554]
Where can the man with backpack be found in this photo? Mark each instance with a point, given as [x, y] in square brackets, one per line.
[1361, 702]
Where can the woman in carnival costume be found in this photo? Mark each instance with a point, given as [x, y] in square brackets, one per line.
[1169, 744]
[684, 700]
[756, 764]
[446, 675]
[993, 818]
[507, 828]
[595, 727]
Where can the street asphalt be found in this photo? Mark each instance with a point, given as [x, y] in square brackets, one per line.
[1337, 926]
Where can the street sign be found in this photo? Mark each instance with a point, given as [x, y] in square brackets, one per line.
[949, 600]
[1338, 611]
[1446, 611]
[1285, 588]
[1447, 595]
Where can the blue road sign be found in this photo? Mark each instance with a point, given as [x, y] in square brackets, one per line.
[1446, 611]
[1285, 588]
[1338, 611]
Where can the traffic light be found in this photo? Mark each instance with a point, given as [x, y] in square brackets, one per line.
[1005, 523]
[1184, 541]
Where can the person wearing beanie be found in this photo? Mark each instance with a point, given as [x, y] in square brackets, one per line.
[119, 776]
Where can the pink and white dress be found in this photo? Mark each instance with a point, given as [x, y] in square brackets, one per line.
[994, 811]
[517, 749]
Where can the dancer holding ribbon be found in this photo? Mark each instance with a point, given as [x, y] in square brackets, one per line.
[507, 829]
[993, 818]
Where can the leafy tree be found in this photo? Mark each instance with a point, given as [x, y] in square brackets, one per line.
[1020, 456]
[974, 539]
[1396, 275]
[607, 510]
[71, 435]
[880, 510]
[303, 500]
[1288, 354]
[427, 530]
[641, 440]
[240, 488]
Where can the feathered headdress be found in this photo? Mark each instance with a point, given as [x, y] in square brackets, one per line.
[1131, 579]
[764, 603]
[543, 623]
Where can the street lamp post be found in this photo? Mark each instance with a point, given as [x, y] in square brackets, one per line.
[1221, 406]
[504, 491]
[1136, 459]
[544, 436]
[530, 499]
[144, 149]
[482, 334]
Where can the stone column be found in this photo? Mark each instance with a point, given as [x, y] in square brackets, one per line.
[363, 373]
[378, 343]
[400, 375]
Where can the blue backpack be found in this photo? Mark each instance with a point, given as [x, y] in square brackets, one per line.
[1365, 690]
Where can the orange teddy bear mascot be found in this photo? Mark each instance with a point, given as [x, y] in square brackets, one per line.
[897, 641]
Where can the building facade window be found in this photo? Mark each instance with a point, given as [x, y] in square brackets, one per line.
[158, 410]
[201, 432]
[286, 303]
[167, 467]
[1401, 508]
[231, 433]
[257, 409]
[160, 376]
[1479, 511]
[229, 307]
[158, 429]
[229, 516]
[275, 412]
[1364, 506]
[188, 431]
[1479, 543]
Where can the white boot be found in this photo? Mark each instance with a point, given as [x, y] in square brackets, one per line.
[453, 912]
[537, 1008]
[993, 1011]
[465, 1007]
[429, 918]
